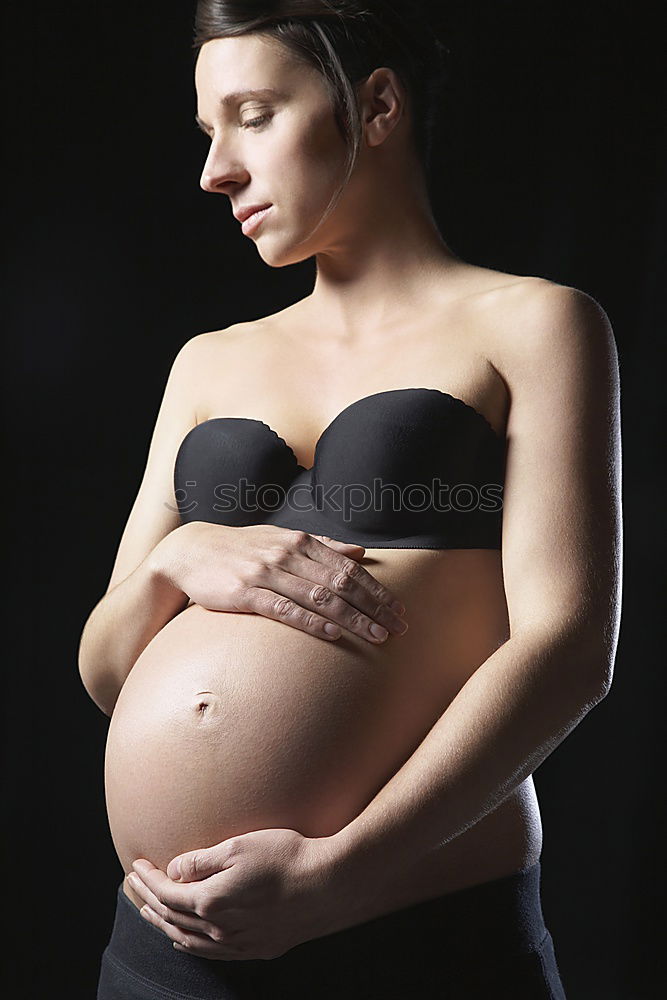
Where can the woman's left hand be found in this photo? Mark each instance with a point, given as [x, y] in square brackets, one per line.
[253, 896]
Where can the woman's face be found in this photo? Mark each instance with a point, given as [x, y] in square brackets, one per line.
[282, 149]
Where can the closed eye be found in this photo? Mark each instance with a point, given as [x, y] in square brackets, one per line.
[252, 123]
[256, 122]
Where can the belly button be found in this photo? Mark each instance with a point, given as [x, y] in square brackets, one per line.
[204, 703]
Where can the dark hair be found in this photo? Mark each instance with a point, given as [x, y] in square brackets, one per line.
[345, 40]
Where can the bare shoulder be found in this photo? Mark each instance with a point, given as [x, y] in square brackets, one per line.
[214, 352]
[539, 324]
[242, 336]
[546, 315]
[218, 362]
[206, 344]
[247, 342]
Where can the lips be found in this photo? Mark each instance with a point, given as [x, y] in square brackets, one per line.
[244, 213]
[254, 221]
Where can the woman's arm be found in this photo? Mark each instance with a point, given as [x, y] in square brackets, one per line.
[122, 624]
[140, 599]
[562, 553]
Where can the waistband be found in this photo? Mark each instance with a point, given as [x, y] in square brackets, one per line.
[483, 922]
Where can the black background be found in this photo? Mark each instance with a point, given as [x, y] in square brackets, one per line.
[551, 162]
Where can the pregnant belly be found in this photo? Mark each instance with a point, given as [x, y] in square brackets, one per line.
[231, 722]
[235, 722]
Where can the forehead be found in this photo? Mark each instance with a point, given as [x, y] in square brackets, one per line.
[245, 62]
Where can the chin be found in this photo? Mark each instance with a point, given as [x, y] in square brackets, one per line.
[283, 256]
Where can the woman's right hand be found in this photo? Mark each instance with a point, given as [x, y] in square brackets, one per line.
[306, 581]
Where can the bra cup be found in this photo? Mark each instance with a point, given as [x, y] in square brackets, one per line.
[243, 472]
[404, 445]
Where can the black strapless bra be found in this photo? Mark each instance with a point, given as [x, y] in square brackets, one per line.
[402, 468]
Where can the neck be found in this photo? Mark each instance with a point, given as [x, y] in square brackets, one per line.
[380, 263]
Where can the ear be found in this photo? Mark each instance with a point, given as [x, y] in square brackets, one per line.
[382, 104]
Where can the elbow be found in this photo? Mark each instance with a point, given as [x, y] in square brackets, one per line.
[102, 699]
[593, 658]
[585, 654]
[587, 660]
[600, 680]
[604, 675]
[103, 696]
[598, 645]
[106, 709]
[596, 665]
[98, 683]
[604, 669]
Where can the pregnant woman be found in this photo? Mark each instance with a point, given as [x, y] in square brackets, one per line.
[370, 579]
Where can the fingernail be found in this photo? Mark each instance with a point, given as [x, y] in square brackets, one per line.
[378, 631]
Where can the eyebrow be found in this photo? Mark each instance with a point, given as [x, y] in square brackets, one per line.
[235, 98]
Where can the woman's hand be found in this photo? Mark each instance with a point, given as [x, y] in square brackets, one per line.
[311, 582]
[253, 896]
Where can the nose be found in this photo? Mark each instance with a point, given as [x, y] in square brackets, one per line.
[221, 171]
